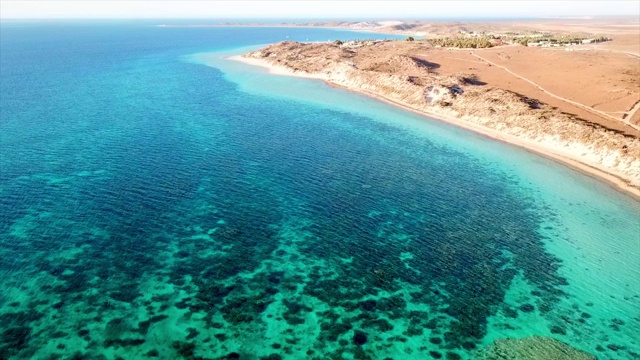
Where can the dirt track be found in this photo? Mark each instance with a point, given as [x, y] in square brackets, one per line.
[588, 108]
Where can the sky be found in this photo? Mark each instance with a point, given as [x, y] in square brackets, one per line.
[309, 9]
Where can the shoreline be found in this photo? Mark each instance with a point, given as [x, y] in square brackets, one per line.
[614, 180]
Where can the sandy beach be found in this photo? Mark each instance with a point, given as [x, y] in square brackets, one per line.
[549, 150]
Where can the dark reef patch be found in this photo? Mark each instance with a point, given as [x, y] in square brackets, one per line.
[244, 309]
[123, 342]
[359, 338]
[14, 339]
[558, 330]
[527, 308]
[184, 349]
[295, 312]
[153, 353]
[367, 305]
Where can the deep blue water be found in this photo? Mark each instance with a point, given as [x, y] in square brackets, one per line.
[150, 206]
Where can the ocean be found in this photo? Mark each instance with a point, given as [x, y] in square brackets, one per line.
[160, 201]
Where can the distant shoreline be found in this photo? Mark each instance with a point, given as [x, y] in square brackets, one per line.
[284, 26]
[616, 181]
[435, 27]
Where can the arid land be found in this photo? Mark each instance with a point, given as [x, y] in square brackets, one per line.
[579, 104]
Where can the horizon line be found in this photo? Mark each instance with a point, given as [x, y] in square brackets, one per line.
[400, 18]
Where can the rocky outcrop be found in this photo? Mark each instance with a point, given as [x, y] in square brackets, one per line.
[410, 81]
[531, 348]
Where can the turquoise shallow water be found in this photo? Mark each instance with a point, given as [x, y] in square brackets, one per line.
[159, 201]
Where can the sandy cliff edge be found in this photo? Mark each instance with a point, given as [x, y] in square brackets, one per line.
[626, 183]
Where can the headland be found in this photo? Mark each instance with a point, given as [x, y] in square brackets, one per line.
[570, 96]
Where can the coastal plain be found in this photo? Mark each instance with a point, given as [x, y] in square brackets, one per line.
[575, 73]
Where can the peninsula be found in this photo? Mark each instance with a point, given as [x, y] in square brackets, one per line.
[571, 96]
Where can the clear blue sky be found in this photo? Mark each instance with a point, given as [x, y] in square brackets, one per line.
[313, 9]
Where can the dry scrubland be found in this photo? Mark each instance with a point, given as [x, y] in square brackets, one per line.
[578, 104]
